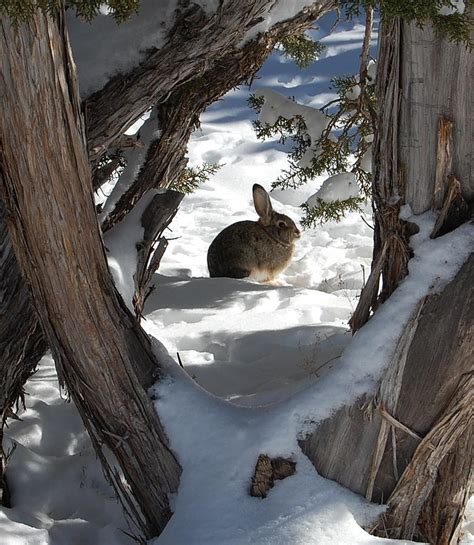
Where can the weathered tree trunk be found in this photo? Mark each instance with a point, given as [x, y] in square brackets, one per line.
[411, 444]
[103, 356]
[195, 47]
[424, 134]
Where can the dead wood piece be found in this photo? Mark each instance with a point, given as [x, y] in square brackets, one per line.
[267, 471]
[156, 218]
[369, 292]
[454, 212]
[417, 482]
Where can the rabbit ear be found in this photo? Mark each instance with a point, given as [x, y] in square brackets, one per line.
[262, 203]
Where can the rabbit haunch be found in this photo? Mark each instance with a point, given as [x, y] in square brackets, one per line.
[254, 249]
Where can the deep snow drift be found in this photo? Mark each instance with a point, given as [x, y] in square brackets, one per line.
[269, 355]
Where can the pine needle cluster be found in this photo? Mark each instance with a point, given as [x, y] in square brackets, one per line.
[192, 177]
[341, 147]
[329, 211]
[302, 49]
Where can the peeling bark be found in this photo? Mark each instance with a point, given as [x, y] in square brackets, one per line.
[196, 46]
[48, 193]
[425, 124]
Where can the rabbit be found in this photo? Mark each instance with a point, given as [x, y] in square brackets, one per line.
[259, 250]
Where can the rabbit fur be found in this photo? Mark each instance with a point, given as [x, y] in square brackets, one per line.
[259, 250]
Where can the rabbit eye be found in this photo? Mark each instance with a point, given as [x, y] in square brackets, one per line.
[281, 224]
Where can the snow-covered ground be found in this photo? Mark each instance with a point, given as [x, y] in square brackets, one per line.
[250, 346]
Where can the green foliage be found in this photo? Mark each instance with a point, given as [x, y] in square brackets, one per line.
[302, 49]
[193, 177]
[329, 211]
[22, 10]
[457, 26]
[351, 121]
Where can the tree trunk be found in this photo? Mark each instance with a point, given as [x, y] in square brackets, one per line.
[424, 136]
[195, 47]
[409, 444]
[55, 232]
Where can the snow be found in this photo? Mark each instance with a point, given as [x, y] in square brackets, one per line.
[354, 92]
[260, 361]
[458, 6]
[121, 250]
[213, 504]
[339, 187]
[103, 49]
[371, 70]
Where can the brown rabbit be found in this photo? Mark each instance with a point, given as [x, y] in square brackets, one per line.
[257, 249]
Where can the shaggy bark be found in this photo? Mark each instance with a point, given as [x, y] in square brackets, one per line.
[424, 135]
[406, 445]
[56, 237]
[196, 46]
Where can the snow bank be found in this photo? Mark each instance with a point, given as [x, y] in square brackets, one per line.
[213, 505]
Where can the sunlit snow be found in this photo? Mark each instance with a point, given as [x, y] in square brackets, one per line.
[260, 361]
